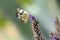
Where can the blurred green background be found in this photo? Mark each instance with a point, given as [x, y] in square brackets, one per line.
[44, 10]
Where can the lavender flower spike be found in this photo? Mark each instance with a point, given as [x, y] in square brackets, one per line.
[35, 28]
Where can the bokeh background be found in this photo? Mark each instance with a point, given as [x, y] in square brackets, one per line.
[13, 29]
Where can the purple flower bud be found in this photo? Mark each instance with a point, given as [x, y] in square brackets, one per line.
[31, 18]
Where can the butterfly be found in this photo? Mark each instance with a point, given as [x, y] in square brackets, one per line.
[22, 15]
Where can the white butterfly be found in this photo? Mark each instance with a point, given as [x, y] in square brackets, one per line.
[22, 15]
